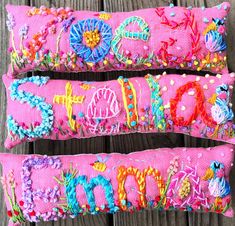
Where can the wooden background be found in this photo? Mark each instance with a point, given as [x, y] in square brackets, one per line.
[123, 144]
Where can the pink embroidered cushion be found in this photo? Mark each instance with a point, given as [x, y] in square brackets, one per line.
[188, 179]
[60, 109]
[166, 37]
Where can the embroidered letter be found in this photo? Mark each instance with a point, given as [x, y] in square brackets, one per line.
[198, 109]
[29, 194]
[34, 101]
[122, 32]
[140, 178]
[68, 100]
[129, 100]
[70, 181]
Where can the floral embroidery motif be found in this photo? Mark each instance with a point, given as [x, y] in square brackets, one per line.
[156, 103]
[214, 36]
[68, 100]
[91, 39]
[121, 32]
[44, 128]
[129, 100]
[16, 213]
[70, 182]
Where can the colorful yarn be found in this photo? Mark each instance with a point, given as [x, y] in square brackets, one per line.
[129, 100]
[45, 127]
[68, 100]
[71, 182]
[140, 178]
[199, 108]
[100, 48]
[156, 103]
[121, 33]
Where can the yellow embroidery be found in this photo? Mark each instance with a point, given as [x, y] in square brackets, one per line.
[129, 100]
[140, 178]
[105, 16]
[68, 100]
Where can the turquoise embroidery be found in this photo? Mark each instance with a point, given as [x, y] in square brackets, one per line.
[34, 101]
[156, 103]
[70, 182]
[121, 32]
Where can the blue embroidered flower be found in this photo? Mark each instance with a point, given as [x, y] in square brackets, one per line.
[91, 39]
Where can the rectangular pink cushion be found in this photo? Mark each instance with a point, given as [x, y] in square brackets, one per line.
[187, 179]
[39, 107]
[165, 37]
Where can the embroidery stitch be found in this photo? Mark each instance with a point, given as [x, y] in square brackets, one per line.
[199, 108]
[44, 128]
[70, 182]
[68, 100]
[95, 49]
[156, 103]
[140, 178]
[121, 33]
[129, 100]
[28, 194]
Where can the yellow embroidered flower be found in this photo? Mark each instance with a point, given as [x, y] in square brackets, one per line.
[185, 188]
[91, 38]
[211, 27]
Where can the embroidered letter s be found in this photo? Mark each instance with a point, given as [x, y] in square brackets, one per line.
[34, 101]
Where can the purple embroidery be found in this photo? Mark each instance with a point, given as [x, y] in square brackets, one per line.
[29, 195]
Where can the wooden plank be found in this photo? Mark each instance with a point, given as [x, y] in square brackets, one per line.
[196, 219]
[93, 145]
[137, 142]
[24, 148]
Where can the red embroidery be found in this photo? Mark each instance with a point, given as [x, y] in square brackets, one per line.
[199, 108]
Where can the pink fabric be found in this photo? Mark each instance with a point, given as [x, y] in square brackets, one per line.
[102, 110]
[185, 165]
[176, 38]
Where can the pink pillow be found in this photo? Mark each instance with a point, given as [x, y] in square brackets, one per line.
[187, 179]
[166, 37]
[60, 109]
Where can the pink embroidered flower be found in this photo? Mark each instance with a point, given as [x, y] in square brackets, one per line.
[221, 29]
[220, 173]
[173, 168]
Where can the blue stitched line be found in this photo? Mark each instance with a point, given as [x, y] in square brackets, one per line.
[156, 103]
[34, 101]
[70, 189]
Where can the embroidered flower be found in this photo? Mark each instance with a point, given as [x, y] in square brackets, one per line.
[10, 22]
[91, 39]
[23, 31]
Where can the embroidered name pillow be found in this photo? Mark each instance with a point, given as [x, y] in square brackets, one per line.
[166, 37]
[60, 109]
[194, 179]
